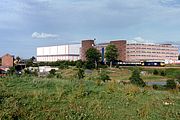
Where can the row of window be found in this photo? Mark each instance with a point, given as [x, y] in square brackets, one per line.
[152, 45]
[152, 56]
[172, 49]
[152, 52]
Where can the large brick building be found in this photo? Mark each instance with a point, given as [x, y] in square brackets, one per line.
[129, 52]
[136, 52]
[85, 45]
[7, 60]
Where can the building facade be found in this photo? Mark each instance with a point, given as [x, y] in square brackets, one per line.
[7, 60]
[158, 52]
[85, 45]
[128, 52]
[57, 53]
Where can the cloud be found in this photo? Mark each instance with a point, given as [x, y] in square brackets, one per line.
[37, 35]
[139, 40]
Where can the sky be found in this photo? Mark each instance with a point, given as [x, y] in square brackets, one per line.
[28, 24]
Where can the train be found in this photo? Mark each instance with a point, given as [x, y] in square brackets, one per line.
[142, 63]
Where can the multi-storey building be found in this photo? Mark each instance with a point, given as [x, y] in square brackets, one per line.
[143, 52]
[129, 52]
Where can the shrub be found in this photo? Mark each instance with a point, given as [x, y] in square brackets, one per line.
[171, 84]
[11, 70]
[58, 75]
[80, 73]
[89, 65]
[163, 73]
[104, 76]
[63, 66]
[52, 72]
[155, 86]
[155, 72]
[136, 79]
[27, 71]
[79, 64]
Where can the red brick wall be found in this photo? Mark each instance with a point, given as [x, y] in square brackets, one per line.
[121, 46]
[86, 44]
[7, 60]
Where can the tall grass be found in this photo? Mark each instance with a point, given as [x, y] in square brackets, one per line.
[50, 99]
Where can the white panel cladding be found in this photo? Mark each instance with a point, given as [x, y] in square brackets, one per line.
[40, 51]
[61, 50]
[46, 50]
[74, 49]
[53, 50]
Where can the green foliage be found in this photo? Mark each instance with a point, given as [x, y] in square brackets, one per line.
[89, 65]
[103, 75]
[111, 53]
[171, 84]
[58, 75]
[80, 73]
[136, 79]
[52, 72]
[155, 72]
[27, 71]
[29, 98]
[11, 70]
[93, 57]
[163, 73]
[155, 86]
[61, 64]
[79, 64]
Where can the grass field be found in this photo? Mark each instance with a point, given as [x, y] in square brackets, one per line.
[68, 98]
[50, 99]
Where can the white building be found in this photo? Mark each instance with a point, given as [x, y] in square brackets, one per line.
[69, 52]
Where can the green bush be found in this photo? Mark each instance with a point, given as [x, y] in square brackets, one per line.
[58, 75]
[80, 73]
[52, 72]
[163, 73]
[136, 79]
[104, 76]
[11, 70]
[79, 64]
[155, 72]
[155, 86]
[171, 84]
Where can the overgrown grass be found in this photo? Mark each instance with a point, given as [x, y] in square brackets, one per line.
[50, 99]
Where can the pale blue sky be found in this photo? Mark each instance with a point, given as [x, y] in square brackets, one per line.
[27, 24]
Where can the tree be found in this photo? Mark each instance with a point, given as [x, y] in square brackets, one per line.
[179, 57]
[17, 60]
[30, 61]
[111, 53]
[93, 56]
[32, 58]
[136, 79]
